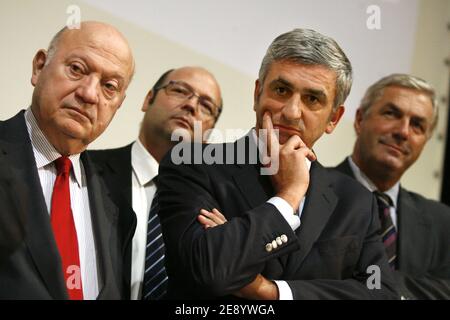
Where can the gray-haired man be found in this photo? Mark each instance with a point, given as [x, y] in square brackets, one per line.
[303, 232]
[395, 120]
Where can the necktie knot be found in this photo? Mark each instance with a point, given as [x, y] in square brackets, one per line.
[63, 165]
[383, 199]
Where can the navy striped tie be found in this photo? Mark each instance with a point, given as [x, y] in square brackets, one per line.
[155, 276]
[387, 231]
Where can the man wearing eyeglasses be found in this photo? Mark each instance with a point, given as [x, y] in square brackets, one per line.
[179, 98]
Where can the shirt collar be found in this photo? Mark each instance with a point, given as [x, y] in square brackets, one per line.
[144, 164]
[255, 139]
[44, 152]
[366, 182]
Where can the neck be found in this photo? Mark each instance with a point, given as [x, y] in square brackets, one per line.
[156, 147]
[380, 176]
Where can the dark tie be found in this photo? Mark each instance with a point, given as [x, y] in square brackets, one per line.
[387, 231]
[155, 277]
[63, 226]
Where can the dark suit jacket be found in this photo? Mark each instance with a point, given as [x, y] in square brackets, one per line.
[114, 166]
[32, 268]
[423, 247]
[325, 258]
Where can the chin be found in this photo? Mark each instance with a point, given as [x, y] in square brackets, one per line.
[74, 129]
[390, 162]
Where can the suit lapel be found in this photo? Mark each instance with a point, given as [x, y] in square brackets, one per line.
[103, 215]
[119, 171]
[345, 168]
[255, 188]
[319, 205]
[413, 250]
[106, 218]
[18, 155]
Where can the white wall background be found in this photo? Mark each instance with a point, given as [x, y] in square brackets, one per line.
[230, 38]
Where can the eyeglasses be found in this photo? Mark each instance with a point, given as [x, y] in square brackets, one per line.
[184, 92]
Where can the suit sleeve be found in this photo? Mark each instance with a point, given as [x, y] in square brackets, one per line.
[426, 287]
[372, 254]
[433, 279]
[218, 261]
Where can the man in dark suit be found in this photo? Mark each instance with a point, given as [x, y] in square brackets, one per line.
[68, 237]
[181, 99]
[295, 230]
[396, 118]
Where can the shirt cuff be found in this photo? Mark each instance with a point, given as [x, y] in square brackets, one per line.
[286, 211]
[284, 291]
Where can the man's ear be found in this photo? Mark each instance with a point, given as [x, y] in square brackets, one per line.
[39, 61]
[335, 117]
[358, 119]
[147, 100]
[257, 93]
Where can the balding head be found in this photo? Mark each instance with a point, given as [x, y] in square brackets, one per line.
[178, 99]
[80, 83]
[92, 28]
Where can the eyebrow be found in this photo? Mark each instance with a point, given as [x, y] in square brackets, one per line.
[282, 81]
[318, 93]
[390, 105]
[204, 96]
[92, 65]
[315, 92]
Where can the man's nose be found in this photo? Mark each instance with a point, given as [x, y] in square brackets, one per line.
[191, 104]
[88, 90]
[402, 129]
[292, 109]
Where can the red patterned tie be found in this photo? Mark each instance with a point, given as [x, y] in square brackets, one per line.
[64, 229]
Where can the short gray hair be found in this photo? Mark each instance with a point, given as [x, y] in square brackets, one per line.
[305, 46]
[375, 91]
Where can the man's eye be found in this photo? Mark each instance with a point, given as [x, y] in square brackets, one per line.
[312, 99]
[281, 90]
[207, 107]
[418, 127]
[76, 69]
[180, 90]
[110, 86]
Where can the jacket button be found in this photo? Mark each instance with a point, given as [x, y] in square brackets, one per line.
[284, 238]
[268, 247]
[278, 240]
[274, 244]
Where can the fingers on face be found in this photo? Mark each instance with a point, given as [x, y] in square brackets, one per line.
[272, 141]
[296, 144]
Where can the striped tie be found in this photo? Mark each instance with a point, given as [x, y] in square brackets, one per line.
[387, 231]
[155, 277]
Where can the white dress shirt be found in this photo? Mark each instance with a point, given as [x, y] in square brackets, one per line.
[365, 181]
[45, 155]
[144, 168]
[285, 292]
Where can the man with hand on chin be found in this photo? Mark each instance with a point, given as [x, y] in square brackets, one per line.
[301, 232]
